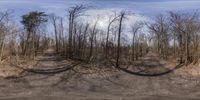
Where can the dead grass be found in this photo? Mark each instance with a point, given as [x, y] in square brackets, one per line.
[8, 70]
[189, 71]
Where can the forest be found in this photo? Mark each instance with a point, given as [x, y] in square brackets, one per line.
[169, 43]
[174, 35]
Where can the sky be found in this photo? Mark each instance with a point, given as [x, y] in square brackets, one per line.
[148, 8]
[144, 10]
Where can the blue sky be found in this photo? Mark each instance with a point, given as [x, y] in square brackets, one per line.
[147, 8]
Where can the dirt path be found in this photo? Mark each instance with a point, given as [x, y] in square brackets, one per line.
[119, 85]
[151, 65]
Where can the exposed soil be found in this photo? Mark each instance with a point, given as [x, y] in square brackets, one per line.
[82, 83]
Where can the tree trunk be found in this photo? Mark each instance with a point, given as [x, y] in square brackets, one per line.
[119, 38]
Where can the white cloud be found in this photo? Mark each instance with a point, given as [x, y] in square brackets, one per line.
[103, 20]
[103, 16]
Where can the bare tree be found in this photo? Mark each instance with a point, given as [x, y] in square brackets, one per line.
[121, 19]
[54, 20]
[160, 30]
[135, 28]
[92, 36]
[74, 13]
[4, 18]
[111, 21]
[186, 27]
[31, 22]
[83, 44]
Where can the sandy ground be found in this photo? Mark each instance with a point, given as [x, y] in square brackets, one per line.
[115, 85]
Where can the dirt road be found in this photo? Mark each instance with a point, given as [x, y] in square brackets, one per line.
[118, 85]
